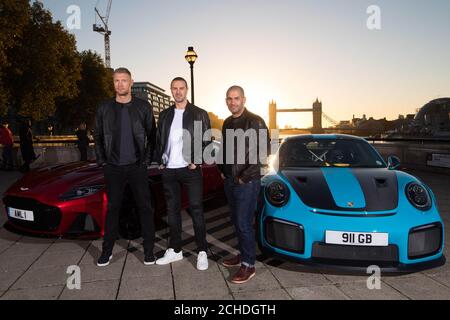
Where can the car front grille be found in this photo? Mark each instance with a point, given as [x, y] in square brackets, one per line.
[355, 255]
[46, 218]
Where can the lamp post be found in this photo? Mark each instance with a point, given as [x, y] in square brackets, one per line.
[191, 57]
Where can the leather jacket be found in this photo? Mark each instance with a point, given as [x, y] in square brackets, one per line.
[142, 123]
[245, 172]
[191, 115]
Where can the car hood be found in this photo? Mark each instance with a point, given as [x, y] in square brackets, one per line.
[49, 182]
[345, 189]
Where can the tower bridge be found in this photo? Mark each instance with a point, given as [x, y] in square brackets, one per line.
[317, 113]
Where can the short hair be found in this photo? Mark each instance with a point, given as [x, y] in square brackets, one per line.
[238, 88]
[122, 70]
[179, 79]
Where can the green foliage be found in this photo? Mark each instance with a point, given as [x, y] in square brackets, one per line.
[95, 85]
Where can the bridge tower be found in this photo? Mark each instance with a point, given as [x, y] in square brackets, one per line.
[317, 117]
[272, 115]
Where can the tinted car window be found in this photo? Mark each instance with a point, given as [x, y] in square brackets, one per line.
[328, 153]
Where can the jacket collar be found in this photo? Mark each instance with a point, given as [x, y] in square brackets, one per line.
[187, 109]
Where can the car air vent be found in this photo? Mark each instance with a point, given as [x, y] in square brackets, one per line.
[381, 182]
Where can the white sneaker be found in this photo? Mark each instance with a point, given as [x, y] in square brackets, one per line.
[202, 261]
[169, 257]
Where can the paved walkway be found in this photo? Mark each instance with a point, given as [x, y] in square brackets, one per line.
[34, 268]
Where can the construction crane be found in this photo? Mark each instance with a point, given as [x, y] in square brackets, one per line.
[104, 30]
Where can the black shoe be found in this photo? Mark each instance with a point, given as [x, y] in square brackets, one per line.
[104, 259]
[149, 259]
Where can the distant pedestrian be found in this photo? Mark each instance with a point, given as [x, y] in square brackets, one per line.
[83, 141]
[6, 139]
[26, 145]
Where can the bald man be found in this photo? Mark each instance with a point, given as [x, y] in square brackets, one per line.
[242, 179]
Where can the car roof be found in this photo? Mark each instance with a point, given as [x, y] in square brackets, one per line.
[324, 136]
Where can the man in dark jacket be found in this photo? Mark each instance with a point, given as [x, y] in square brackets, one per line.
[83, 141]
[181, 131]
[124, 140]
[241, 170]
[26, 145]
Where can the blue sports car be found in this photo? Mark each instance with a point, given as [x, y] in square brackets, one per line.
[331, 200]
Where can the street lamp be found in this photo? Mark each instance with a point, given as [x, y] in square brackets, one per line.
[191, 57]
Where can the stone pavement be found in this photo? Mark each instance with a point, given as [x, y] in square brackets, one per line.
[35, 268]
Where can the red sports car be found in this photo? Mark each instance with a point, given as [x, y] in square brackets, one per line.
[70, 201]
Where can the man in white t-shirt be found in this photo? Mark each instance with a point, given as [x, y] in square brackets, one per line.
[180, 165]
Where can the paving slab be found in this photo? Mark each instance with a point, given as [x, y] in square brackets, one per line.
[419, 287]
[45, 293]
[443, 278]
[42, 277]
[199, 285]
[330, 292]
[148, 288]
[7, 278]
[99, 290]
[360, 291]
[13, 262]
[54, 258]
[278, 294]
[291, 276]
[69, 245]
[91, 272]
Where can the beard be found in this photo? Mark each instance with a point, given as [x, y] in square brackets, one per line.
[123, 93]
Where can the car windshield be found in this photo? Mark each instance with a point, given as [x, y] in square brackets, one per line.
[329, 153]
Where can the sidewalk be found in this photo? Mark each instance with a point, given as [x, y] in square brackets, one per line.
[34, 268]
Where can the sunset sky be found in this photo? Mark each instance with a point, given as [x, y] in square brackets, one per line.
[291, 51]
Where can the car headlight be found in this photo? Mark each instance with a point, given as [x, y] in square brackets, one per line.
[277, 193]
[418, 195]
[80, 192]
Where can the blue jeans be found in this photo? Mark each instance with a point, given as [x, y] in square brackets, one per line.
[242, 199]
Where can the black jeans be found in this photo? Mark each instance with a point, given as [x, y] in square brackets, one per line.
[83, 153]
[7, 157]
[193, 181]
[116, 179]
[242, 199]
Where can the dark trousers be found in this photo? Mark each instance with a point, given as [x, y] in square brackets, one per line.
[83, 153]
[7, 156]
[116, 179]
[242, 199]
[193, 181]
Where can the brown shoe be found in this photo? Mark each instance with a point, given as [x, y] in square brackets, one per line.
[233, 262]
[243, 275]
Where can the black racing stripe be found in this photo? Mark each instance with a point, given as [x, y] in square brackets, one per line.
[312, 188]
[380, 188]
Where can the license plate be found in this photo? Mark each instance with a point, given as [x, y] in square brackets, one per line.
[21, 214]
[357, 238]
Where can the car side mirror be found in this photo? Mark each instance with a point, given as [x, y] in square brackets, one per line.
[393, 162]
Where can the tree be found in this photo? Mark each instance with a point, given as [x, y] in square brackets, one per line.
[13, 19]
[44, 66]
[94, 86]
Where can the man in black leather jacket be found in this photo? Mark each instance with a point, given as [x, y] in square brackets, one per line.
[124, 137]
[182, 135]
[242, 173]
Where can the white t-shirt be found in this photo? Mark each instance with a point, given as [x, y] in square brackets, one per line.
[174, 150]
